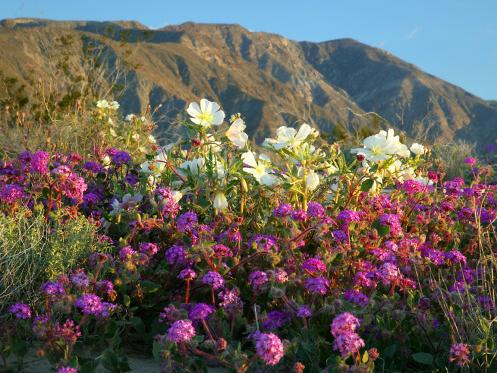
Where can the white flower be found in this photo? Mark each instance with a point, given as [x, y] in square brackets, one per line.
[197, 166]
[417, 149]
[194, 166]
[401, 172]
[382, 146]
[152, 139]
[135, 137]
[212, 144]
[128, 202]
[330, 169]
[289, 137]
[177, 195]
[236, 133]
[311, 179]
[207, 114]
[102, 104]
[220, 202]
[259, 170]
[130, 117]
[423, 180]
[106, 161]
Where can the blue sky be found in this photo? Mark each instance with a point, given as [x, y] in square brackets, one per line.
[452, 39]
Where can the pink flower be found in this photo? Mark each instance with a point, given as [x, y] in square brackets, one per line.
[180, 331]
[459, 352]
[344, 323]
[269, 347]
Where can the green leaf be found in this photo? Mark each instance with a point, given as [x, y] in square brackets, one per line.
[126, 300]
[365, 357]
[367, 185]
[138, 324]
[149, 286]
[110, 360]
[89, 367]
[423, 358]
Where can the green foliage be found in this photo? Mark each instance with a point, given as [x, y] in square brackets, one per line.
[33, 251]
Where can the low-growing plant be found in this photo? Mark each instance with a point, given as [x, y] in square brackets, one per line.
[33, 251]
[296, 257]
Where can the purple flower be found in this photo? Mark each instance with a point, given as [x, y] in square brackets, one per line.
[127, 253]
[120, 157]
[221, 250]
[80, 279]
[315, 210]
[348, 343]
[348, 216]
[213, 279]
[459, 352]
[149, 248]
[187, 274]
[275, 319]
[304, 311]
[131, 179]
[471, 161]
[282, 210]
[74, 187]
[67, 370]
[180, 331]
[317, 285]
[168, 204]
[20, 311]
[264, 242]
[269, 347]
[393, 222]
[90, 304]
[344, 323]
[39, 162]
[187, 221]
[230, 300]
[455, 256]
[105, 286]
[257, 278]
[175, 255]
[314, 266]
[53, 289]
[94, 167]
[200, 311]
[279, 275]
[299, 215]
[389, 272]
[40, 326]
[10, 193]
[355, 296]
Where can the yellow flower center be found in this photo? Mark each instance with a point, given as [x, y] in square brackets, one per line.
[206, 117]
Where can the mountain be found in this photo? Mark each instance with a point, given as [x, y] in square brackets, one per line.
[269, 79]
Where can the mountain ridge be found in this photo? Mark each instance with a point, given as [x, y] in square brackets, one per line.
[270, 79]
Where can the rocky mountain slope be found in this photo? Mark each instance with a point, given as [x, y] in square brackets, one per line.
[268, 78]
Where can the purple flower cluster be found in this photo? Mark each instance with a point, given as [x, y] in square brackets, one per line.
[186, 222]
[257, 279]
[10, 193]
[20, 311]
[269, 347]
[317, 285]
[180, 331]
[200, 311]
[213, 279]
[343, 328]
